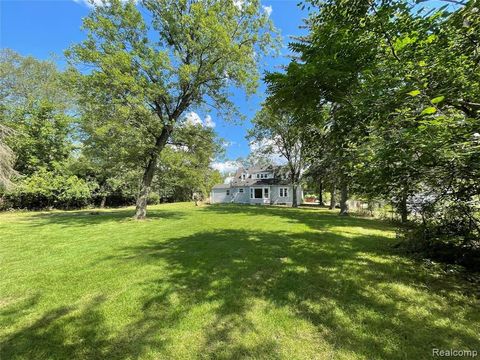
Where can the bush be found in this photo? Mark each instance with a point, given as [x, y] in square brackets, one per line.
[49, 189]
[449, 232]
[153, 198]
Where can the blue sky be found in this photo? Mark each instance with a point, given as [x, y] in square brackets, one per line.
[44, 29]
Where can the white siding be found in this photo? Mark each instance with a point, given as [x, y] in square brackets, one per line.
[276, 199]
[242, 198]
[220, 196]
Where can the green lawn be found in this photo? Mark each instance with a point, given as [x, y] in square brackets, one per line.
[220, 282]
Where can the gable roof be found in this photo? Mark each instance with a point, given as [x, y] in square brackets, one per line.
[237, 181]
[221, 186]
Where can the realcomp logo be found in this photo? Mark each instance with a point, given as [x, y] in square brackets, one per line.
[454, 353]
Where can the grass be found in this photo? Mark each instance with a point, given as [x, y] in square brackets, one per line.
[223, 282]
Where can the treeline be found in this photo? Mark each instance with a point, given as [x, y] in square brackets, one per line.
[111, 128]
[55, 153]
[381, 101]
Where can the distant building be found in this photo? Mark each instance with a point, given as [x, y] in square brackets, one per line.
[257, 185]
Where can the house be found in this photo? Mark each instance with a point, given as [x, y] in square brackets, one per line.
[257, 185]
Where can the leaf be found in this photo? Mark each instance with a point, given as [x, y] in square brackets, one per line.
[422, 63]
[431, 38]
[437, 100]
[414, 92]
[405, 41]
[429, 110]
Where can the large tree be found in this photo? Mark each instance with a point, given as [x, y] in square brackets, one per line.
[182, 54]
[36, 104]
[184, 171]
[277, 131]
[401, 85]
[7, 159]
[325, 76]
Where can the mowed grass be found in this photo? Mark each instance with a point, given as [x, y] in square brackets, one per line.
[222, 282]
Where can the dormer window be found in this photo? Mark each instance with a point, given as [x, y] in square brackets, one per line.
[243, 176]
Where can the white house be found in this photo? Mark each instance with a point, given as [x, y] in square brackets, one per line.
[256, 185]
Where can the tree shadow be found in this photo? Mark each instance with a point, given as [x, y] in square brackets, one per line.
[315, 218]
[49, 336]
[362, 299]
[349, 289]
[95, 217]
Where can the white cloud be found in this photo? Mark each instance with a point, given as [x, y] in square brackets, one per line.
[192, 118]
[93, 3]
[238, 4]
[226, 167]
[267, 9]
[261, 146]
[227, 143]
[178, 148]
[209, 122]
[267, 149]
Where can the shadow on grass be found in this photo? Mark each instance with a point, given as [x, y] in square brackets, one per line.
[366, 305]
[95, 217]
[315, 218]
[362, 299]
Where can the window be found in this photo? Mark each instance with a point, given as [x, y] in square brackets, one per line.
[259, 193]
[240, 190]
[243, 177]
[258, 176]
[283, 192]
[228, 192]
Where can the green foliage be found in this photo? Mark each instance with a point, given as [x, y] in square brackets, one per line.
[42, 138]
[50, 189]
[400, 90]
[35, 103]
[153, 198]
[184, 166]
[153, 61]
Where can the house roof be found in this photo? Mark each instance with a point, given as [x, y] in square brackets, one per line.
[221, 186]
[237, 180]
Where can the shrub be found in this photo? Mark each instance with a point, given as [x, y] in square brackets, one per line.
[153, 198]
[50, 189]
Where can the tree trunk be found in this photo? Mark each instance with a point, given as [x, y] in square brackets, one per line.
[141, 208]
[344, 198]
[332, 197]
[320, 192]
[103, 202]
[403, 209]
[294, 196]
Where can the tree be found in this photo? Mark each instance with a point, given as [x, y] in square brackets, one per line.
[200, 49]
[26, 81]
[401, 87]
[35, 103]
[7, 159]
[184, 172]
[324, 78]
[279, 132]
[42, 138]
